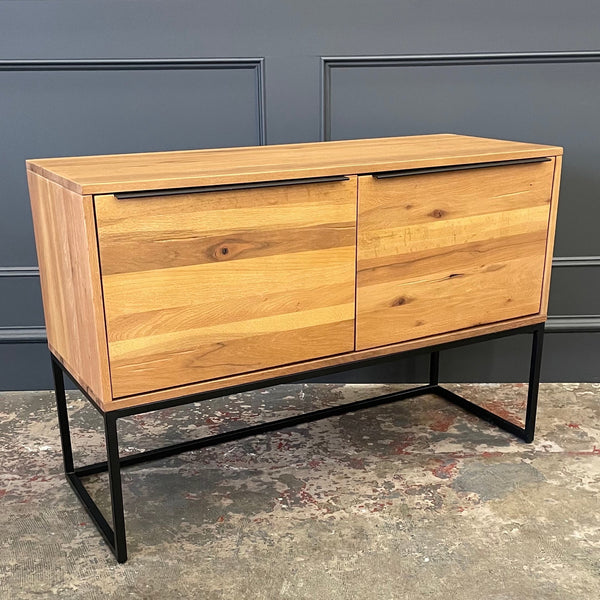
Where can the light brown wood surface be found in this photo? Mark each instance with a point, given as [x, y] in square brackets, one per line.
[65, 236]
[446, 251]
[319, 363]
[200, 291]
[551, 235]
[201, 286]
[160, 170]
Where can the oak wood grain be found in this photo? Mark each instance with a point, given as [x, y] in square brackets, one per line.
[194, 229]
[551, 234]
[445, 251]
[329, 361]
[206, 290]
[179, 309]
[162, 170]
[66, 245]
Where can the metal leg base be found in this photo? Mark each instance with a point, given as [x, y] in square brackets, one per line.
[114, 534]
[525, 433]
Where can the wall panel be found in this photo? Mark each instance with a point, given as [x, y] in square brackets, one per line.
[79, 106]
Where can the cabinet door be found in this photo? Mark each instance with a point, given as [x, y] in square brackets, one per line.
[443, 251]
[204, 285]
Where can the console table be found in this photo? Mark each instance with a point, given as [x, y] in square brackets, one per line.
[173, 277]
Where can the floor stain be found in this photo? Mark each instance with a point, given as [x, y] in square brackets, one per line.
[405, 501]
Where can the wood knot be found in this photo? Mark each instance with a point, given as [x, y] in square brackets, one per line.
[223, 251]
[400, 301]
[438, 213]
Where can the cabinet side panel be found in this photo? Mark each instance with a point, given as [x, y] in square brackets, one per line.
[551, 234]
[65, 236]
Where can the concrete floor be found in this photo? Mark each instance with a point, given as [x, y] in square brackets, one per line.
[412, 500]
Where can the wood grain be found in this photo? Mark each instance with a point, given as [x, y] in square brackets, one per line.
[71, 290]
[551, 234]
[162, 170]
[180, 310]
[446, 251]
[319, 363]
[207, 290]
[193, 229]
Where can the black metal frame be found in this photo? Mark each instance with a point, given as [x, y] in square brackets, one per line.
[115, 535]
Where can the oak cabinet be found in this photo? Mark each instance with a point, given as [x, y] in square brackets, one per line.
[166, 274]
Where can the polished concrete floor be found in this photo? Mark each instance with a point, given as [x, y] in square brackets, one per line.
[411, 500]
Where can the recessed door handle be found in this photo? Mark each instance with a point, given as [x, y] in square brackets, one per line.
[483, 165]
[229, 187]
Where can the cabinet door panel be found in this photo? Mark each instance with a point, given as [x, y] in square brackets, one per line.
[445, 251]
[205, 285]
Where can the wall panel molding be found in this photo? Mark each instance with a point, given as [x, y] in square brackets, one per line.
[23, 335]
[256, 64]
[328, 63]
[556, 323]
[557, 262]
[19, 272]
[573, 324]
[37, 334]
[575, 261]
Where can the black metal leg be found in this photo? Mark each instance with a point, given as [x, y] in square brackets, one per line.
[115, 536]
[63, 416]
[116, 492]
[434, 368]
[525, 433]
[534, 383]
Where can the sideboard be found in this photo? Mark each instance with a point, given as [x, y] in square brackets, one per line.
[170, 277]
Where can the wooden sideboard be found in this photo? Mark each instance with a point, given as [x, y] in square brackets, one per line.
[170, 274]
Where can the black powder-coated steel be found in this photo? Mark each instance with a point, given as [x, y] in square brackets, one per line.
[114, 482]
[115, 536]
[434, 368]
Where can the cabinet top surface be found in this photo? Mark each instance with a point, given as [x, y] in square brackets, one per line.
[187, 168]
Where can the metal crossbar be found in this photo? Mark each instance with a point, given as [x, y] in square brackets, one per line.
[114, 534]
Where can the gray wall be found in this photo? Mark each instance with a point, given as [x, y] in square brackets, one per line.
[92, 77]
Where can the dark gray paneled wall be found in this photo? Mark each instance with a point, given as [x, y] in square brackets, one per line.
[62, 109]
[297, 94]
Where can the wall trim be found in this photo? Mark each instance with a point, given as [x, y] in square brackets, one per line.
[555, 324]
[22, 335]
[37, 334]
[557, 262]
[576, 261]
[257, 64]
[573, 324]
[328, 63]
[19, 272]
